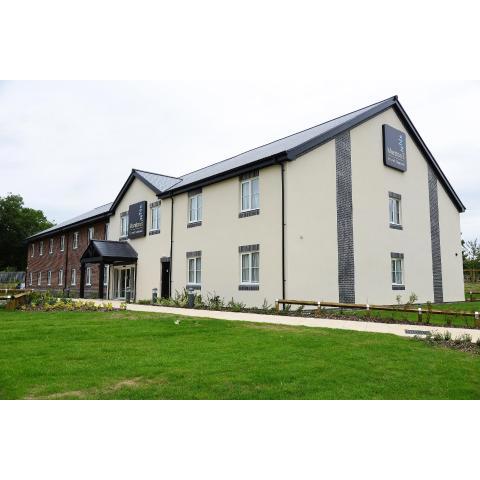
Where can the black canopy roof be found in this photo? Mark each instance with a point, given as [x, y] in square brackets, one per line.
[108, 251]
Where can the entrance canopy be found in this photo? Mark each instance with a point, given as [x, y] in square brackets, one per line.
[107, 252]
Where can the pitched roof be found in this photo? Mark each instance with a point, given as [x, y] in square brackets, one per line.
[99, 212]
[108, 250]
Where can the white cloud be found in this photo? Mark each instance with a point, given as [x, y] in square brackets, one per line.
[69, 146]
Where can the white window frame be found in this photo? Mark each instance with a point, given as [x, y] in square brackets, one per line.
[196, 271]
[395, 211]
[49, 278]
[106, 273]
[60, 277]
[73, 280]
[155, 218]
[41, 248]
[31, 278]
[249, 279]
[50, 248]
[124, 222]
[91, 233]
[76, 236]
[88, 276]
[395, 262]
[251, 203]
[195, 208]
[33, 250]
[62, 243]
[39, 279]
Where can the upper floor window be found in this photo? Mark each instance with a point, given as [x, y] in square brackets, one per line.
[394, 208]
[75, 239]
[33, 250]
[88, 276]
[41, 247]
[155, 217]
[62, 243]
[124, 224]
[397, 269]
[195, 270]
[249, 192]
[91, 233]
[51, 246]
[195, 207]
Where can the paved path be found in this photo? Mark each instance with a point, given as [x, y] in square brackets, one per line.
[395, 329]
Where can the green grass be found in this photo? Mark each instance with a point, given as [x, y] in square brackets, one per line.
[439, 320]
[146, 355]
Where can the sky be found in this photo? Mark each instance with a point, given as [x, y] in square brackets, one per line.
[68, 146]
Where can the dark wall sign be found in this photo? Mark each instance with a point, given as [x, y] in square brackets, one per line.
[137, 220]
[394, 148]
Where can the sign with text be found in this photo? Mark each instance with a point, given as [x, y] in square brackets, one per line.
[137, 220]
[394, 148]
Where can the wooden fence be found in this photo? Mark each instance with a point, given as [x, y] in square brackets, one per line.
[471, 275]
[386, 308]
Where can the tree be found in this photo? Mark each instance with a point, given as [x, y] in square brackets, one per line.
[471, 253]
[16, 224]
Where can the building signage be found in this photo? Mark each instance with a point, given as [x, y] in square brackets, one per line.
[394, 148]
[137, 220]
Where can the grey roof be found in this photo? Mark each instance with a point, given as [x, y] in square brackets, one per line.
[160, 182]
[102, 210]
[110, 250]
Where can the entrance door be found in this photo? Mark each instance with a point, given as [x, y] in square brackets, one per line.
[165, 289]
[122, 281]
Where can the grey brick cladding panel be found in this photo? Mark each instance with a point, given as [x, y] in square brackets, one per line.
[435, 237]
[346, 263]
[249, 248]
[196, 253]
[249, 213]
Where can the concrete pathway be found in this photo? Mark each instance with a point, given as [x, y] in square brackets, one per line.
[403, 330]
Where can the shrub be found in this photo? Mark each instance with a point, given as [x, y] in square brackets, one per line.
[235, 306]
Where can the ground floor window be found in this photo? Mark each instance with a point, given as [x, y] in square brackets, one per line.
[49, 278]
[39, 279]
[60, 277]
[250, 267]
[31, 278]
[88, 277]
[195, 270]
[74, 277]
[397, 269]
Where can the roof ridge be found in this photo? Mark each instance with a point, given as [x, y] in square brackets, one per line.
[287, 136]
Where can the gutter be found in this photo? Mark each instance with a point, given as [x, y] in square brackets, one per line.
[171, 249]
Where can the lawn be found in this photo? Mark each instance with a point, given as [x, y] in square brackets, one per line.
[133, 355]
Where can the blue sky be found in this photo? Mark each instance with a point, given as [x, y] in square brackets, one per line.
[67, 147]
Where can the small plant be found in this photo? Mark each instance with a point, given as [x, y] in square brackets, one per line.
[266, 306]
[447, 336]
[235, 306]
[398, 298]
[144, 301]
[123, 306]
[214, 302]
[429, 312]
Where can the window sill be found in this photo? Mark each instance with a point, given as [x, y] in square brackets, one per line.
[249, 213]
[250, 287]
[398, 287]
[194, 224]
[192, 286]
[396, 227]
[154, 232]
[123, 239]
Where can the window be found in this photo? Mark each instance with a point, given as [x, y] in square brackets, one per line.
[62, 243]
[249, 194]
[31, 279]
[74, 277]
[394, 208]
[397, 270]
[195, 208]
[33, 249]
[250, 267]
[155, 218]
[124, 225]
[88, 280]
[41, 247]
[91, 233]
[51, 246]
[105, 275]
[106, 231]
[39, 279]
[60, 277]
[195, 270]
[75, 240]
[49, 277]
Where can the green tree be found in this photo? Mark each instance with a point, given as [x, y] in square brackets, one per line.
[16, 224]
[471, 253]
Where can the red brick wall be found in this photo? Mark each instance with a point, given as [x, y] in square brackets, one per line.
[66, 260]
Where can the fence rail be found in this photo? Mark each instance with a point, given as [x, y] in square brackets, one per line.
[386, 308]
